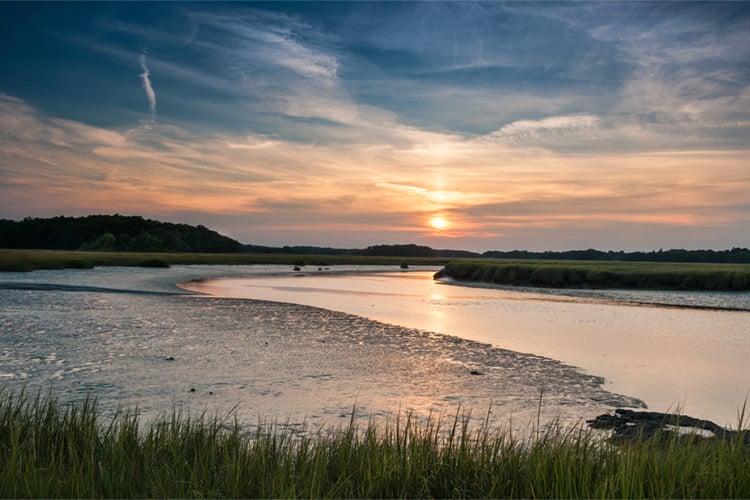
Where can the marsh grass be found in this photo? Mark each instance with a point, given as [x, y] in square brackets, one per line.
[51, 451]
[596, 274]
[29, 260]
[544, 273]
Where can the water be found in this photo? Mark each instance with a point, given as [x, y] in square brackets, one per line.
[686, 350]
[134, 339]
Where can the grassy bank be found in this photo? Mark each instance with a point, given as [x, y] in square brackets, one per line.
[591, 274]
[46, 451]
[29, 260]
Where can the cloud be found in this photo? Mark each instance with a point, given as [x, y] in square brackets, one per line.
[258, 44]
[284, 76]
[553, 130]
[279, 192]
[146, 82]
[262, 64]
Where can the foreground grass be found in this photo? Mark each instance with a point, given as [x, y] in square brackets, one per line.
[47, 451]
[596, 274]
[29, 260]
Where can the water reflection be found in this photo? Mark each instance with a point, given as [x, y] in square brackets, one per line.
[437, 315]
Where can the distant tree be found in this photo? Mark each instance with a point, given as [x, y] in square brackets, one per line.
[410, 250]
[96, 232]
[104, 243]
[123, 242]
[144, 242]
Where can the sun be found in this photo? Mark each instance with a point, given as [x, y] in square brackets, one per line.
[438, 222]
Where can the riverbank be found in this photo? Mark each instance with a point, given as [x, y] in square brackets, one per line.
[30, 260]
[591, 274]
[74, 452]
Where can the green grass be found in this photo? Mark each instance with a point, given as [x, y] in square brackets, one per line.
[48, 451]
[29, 260]
[595, 274]
[546, 273]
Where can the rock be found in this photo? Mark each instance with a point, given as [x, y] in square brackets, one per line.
[628, 425]
[475, 372]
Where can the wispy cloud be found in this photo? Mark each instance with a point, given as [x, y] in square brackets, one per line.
[553, 129]
[146, 82]
[278, 191]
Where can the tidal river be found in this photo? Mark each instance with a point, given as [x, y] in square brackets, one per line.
[685, 351]
[309, 348]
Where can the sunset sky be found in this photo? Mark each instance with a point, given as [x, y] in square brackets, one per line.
[464, 125]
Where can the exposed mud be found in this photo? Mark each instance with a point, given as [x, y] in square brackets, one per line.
[266, 360]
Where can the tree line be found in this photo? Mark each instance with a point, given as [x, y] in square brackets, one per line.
[735, 255]
[136, 234]
[112, 233]
[398, 250]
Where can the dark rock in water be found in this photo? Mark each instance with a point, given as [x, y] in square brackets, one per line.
[154, 263]
[192, 389]
[404, 265]
[628, 425]
[475, 372]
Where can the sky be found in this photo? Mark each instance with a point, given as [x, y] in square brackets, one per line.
[464, 125]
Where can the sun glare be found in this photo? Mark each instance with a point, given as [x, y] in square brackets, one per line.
[438, 222]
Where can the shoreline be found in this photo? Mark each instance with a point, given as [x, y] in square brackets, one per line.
[278, 360]
[556, 294]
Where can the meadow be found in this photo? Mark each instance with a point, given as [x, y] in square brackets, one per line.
[597, 274]
[50, 451]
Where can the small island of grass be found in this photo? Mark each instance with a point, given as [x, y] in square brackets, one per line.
[599, 274]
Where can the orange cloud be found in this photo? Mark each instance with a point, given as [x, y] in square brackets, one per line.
[482, 186]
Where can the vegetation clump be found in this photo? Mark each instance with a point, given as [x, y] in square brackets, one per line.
[574, 274]
[49, 451]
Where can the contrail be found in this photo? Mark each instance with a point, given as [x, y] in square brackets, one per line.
[150, 94]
